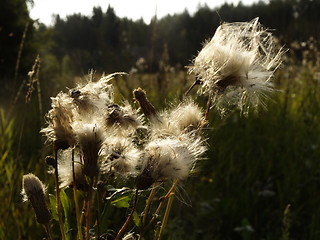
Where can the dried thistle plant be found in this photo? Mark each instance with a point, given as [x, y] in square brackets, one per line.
[236, 66]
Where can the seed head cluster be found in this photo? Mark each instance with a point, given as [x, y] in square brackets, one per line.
[104, 136]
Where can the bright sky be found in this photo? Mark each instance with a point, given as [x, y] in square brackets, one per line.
[133, 9]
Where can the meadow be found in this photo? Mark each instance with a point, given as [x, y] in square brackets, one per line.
[260, 178]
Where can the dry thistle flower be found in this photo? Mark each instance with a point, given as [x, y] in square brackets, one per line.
[123, 117]
[235, 67]
[120, 155]
[59, 118]
[183, 118]
[90, 139]
[34, 191]
[169, 159]
[91, 97]
[65, 170]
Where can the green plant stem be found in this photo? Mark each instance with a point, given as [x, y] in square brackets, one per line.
[76, 203]
[88, 213]
[129, 218]
[63, 236]
[166, 215]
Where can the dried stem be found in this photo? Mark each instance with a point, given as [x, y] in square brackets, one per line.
[76, 203]
[166, 215]
[197, 82]
[58, 200]
[156, 213]
[88, 213]
[148, 203]
[129, 218]
[146, 209]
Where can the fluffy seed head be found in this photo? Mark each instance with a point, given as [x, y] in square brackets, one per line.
[120, 155]
[65, 170]
[169, 159]
[183, 118]
[59, 118]
[34, 191]
[122, 116]
[91, 97]
[90, 138]
[235, 67]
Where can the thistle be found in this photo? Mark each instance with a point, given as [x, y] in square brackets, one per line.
[59, 118]
[120, 156]
[65, 171]
[91, 97]
[33, 190]
[236, 66]
[122, 116]
[90, 139]
[169, 159]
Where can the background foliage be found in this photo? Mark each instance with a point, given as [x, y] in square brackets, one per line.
[256, 166]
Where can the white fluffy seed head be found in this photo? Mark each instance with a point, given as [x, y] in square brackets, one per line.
[171, 158]
[91, 97]
[65, 170]
[235, 67]
[180, 119]
[90, 137]
[122, 116]
[120, 156]
[59, 118]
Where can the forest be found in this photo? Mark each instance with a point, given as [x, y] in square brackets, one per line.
[260, 176]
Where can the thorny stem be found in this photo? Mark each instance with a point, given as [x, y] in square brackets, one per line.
[76, 203]
[129, 218]
[58, 195]
[47, 228]
[156, 213]
[89, 203]
[166, 215]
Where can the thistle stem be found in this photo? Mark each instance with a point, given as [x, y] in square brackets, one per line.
[148, 203]
[89, 203]
[166, 215]
[145, 211]
[129, 218]
[161, 204]
[63, 234]
[76, 203]
[197, 82]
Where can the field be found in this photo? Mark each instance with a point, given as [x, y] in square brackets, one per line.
[260, 178]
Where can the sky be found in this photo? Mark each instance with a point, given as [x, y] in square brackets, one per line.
[133, 9]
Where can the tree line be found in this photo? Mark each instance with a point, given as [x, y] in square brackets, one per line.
[108, 43]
